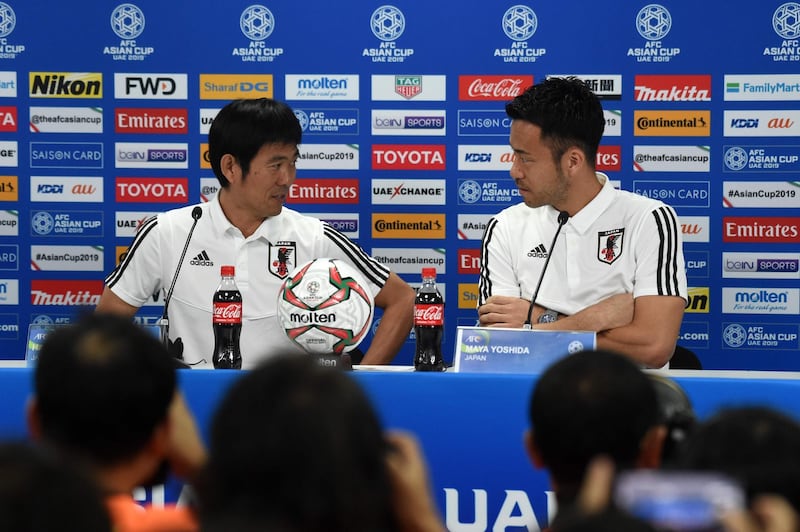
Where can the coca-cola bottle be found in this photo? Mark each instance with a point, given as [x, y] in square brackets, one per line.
[428, 324]
[227, 322]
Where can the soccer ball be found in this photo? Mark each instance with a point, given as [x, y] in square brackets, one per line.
[325, 307]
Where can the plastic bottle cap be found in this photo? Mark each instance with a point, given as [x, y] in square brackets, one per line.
[428, 272]
[227, 271]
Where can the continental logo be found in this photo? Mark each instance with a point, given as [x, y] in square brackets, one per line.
[672, 123]
[65, 84]
[120, 253]
[468, 295]
[698, 300]
[232, 86]
[385, 225]
[205, 160]
[9, 188]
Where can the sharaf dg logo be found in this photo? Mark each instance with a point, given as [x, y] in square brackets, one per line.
[66, 84]
[229, 86]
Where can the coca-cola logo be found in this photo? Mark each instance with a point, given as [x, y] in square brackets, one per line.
[429, 314]
[492, 87]
[227, 312]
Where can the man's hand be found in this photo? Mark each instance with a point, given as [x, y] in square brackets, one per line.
[505, 311]
[187, 453]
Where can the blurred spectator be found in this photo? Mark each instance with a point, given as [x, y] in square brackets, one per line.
[105, 395]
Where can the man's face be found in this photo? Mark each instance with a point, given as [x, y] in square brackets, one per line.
[540, 179]
[272, 171]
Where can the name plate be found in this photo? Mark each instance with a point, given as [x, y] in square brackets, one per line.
[492, 350]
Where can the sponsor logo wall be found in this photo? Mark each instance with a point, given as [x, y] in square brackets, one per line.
[405, 139]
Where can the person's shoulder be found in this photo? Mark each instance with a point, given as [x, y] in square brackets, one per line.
[129, 516]
[637, 202]
[517, 212]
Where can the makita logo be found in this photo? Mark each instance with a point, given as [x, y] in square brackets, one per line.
[78, 85]
[492, 87]
[408, 157]
[69, 293]
[673, 89]
[156, 190]
[174, 121]
[202, 259]
[324, 191]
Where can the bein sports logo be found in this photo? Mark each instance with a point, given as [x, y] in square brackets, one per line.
[786, 20]
[8, 20]
[127, 21]
[387, 23]
[520, 23]
[653, 22]
[257, 22]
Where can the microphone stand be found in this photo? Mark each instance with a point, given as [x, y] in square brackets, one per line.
[163, 323]
[563, 216]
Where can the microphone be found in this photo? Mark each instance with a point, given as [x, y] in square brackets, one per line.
[163, 323]
[563, 216]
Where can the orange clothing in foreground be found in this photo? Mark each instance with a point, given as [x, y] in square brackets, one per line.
[128, 516]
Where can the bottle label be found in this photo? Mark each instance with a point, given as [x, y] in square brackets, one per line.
[428, 315]
[227, 313]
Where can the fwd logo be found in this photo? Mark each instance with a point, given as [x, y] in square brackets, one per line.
[150, 86]
[744, 122]
[154, 86]
[478, 157]
[202, 259]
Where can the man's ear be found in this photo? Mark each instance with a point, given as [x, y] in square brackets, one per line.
[230, 167]
[32, 419]
[529, 441]
[573, 159]
[651, 447]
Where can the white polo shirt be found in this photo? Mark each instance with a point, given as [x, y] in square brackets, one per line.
[262, 261]
[619, 243]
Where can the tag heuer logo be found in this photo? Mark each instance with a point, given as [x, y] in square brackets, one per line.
[408, 86]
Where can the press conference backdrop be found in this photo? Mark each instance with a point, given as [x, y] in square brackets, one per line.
[105, 107]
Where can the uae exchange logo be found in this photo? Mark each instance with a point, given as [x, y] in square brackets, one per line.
[653, 22]
[735, 158]
[786, 20]
[387, 23]
[257, 22]
[520, 23]
[127, 21]
[8, 19]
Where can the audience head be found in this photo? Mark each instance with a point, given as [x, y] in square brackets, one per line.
[40, 493]
[590, 403]
[756, 445]
[244, 126]
[297, 446]
[567, 112]
[102, 386]
[676, 414]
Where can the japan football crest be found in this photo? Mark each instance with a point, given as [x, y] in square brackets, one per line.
[609, 245]
[282, 258]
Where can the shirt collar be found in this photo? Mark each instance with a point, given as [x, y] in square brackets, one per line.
[584, 219]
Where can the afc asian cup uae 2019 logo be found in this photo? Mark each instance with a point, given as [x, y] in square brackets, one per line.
[734, 335]
[786, 20]
[520, 23]
[8, 20]
[127, 21]
[653, 22]
[388, 23]
[302, 117]
[736, 158]
[257, 22]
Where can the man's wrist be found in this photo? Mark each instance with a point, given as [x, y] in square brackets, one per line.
[548, 316]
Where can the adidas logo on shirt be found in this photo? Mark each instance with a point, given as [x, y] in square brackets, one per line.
[202, 259]
[539, 252]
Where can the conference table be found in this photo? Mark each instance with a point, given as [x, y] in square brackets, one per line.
[470, 427]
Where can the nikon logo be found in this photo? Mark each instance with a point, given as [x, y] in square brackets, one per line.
[66, 85]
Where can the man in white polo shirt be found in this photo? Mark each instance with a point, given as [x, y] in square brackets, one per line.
[253, 147]
[616, 266]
